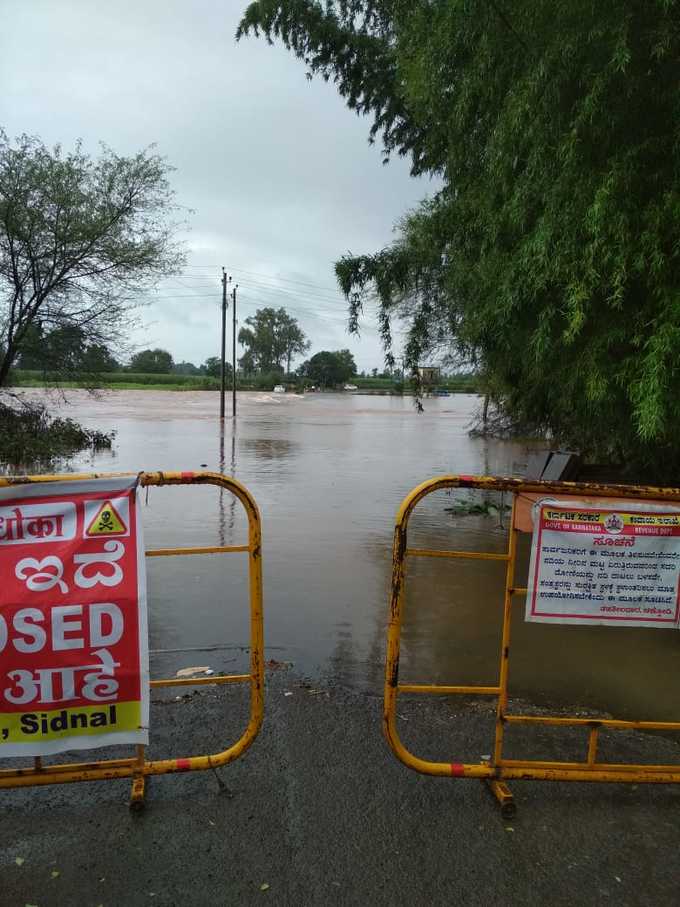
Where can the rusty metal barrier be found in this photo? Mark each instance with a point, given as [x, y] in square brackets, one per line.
[497, 770]
[137, 767]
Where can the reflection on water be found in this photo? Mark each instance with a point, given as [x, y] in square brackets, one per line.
[328, 472]
[268, 448]
[226, 523]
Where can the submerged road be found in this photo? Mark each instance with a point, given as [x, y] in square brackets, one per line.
[321, 813]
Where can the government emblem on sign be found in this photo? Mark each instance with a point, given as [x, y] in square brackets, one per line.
[614, 523]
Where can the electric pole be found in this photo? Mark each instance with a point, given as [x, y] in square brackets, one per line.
[223, 383]
[233, 365]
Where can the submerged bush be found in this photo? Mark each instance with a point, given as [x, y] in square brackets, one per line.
[28, 434]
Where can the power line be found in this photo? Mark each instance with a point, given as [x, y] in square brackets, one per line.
[269, 288]
[314, 294]
[338, 312]
[265, 287]
[291, 298]
[271, 277]
[301, 305]
[302, 283]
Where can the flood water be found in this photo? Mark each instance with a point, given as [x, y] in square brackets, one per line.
[328, 472]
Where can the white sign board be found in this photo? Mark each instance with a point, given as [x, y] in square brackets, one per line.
[615, 564]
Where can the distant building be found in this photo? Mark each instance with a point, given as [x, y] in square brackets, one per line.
[429, 374]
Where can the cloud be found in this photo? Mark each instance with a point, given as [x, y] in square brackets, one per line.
[278, 171]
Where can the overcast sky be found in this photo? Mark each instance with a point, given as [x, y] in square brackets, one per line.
[278, 172]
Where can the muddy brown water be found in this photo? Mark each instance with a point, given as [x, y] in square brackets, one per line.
[328, 472]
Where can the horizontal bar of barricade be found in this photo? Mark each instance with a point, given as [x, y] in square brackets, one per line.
[619, 724]
[426, 552]
[201, 681]
[446, 690]
[208, 549]
[138, 768]
[499, 769]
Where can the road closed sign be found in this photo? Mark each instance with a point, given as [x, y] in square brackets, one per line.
[73, 624]
[604, 563]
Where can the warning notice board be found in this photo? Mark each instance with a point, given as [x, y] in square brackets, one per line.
[73, 626]
[615, 565]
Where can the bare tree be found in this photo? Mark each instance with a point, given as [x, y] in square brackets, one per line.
[81, 240]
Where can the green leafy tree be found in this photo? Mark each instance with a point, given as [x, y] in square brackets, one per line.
[294, 341]
[152, 362]
[98, 359]
[271, 337]
[329, 369]
[213, 367]
[81, 240]
[32, 354]
[186, 368]
[549, 259]
[64, 350]
[247, 363]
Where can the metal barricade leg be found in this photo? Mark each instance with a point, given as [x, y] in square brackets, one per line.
[503, 795]
[499, 789]
[138, 782]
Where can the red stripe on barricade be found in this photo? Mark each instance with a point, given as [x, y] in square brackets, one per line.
[183, 765]
[457, 769]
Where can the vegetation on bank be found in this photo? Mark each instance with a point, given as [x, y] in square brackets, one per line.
[123, 380]
[29, 436]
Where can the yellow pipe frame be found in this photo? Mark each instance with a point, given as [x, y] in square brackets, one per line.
[137, 767]
[498, 770]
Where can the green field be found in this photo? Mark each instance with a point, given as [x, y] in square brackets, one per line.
[457, 384]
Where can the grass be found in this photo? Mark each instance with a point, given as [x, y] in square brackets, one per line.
[122, 380]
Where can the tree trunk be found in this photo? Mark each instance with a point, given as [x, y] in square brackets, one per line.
[6, 365]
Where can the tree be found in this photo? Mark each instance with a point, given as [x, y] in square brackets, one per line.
[81, 241]
[271, 337]
[294, 340]
[64, 350]
[213, 367]
[329, 369]
[33, 349]
[98, 359]
[186, 368]
[152, 362]
[247, 363]
[548, 259]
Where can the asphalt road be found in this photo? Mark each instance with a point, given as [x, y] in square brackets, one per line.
[322, 814]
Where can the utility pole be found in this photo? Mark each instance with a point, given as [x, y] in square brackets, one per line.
[233, 364]
[223, 383]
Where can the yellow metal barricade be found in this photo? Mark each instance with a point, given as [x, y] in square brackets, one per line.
[497, 770]
[137, 767]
